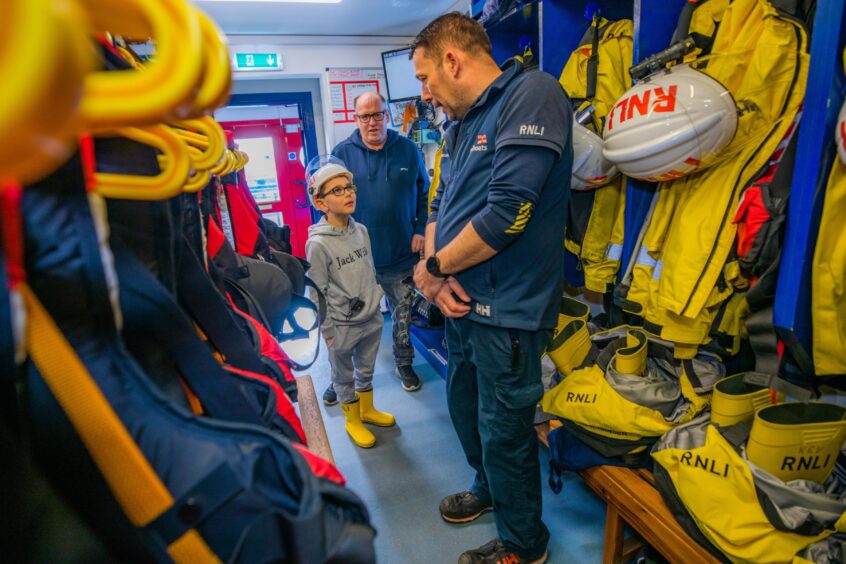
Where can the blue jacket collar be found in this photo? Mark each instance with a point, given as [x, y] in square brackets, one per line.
[510, 70]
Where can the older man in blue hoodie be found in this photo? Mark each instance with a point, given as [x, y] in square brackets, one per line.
[392, 203]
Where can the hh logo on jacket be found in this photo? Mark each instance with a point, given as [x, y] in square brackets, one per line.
[352, 257]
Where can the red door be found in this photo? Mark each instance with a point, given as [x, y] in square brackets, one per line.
[275, 174]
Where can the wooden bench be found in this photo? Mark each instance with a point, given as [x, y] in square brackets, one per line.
[633, 500]
[312, 420]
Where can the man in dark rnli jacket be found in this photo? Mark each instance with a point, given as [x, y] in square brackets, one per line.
[494, 265]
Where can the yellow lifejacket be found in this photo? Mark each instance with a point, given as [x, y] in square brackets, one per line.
[599, 248]
[718, 490]
[761, 57]
[436, 177]
[587, 398]
[828, 279]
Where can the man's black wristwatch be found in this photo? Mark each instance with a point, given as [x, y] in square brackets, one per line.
[433, 265]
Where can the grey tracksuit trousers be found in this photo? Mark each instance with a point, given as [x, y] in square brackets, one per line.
[352, 356]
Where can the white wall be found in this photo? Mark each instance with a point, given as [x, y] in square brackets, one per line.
[277, 82]
[308, 57]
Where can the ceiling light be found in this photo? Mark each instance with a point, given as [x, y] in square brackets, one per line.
[281, 1]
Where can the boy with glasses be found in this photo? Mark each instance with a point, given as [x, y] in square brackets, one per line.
[339, 251]
[393, 204]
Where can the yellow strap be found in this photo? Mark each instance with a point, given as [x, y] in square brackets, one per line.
[132, 480]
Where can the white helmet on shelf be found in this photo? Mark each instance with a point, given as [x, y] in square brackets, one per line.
[840, 132]
[670, 126]
[590, 169]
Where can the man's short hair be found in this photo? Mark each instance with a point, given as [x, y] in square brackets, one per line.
[355, 100]
[452, 30]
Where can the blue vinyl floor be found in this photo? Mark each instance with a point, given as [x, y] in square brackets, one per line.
[414, 464]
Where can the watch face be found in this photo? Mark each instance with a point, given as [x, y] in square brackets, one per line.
[433, 266]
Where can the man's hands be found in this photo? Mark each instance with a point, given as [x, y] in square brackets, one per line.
[441, 291]
[449, 306]
[427, 284]
[417, 242]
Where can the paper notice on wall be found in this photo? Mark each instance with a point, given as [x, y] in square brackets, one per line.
[345, 85]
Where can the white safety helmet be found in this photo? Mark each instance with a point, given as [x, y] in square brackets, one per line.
[670, 125]
[840, 133]
[590, 169]
[321, 169]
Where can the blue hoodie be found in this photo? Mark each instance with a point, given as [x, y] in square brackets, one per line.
[392, 196]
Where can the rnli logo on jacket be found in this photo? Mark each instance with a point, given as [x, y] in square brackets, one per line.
[531, 130]
[481, 144]
[716, 467]
[573, 397]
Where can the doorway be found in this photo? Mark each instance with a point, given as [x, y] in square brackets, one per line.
[273, 129]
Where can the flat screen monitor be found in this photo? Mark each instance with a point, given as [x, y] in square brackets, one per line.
[399, 75]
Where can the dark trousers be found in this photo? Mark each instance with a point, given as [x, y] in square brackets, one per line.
[493, 385]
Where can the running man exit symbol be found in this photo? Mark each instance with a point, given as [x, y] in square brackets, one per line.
[258, 61]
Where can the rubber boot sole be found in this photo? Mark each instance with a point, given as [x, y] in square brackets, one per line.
[363, 420]
[361, 445]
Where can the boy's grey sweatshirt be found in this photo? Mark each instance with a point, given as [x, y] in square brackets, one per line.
[342, 267]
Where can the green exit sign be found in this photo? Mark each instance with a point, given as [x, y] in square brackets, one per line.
[257, 61]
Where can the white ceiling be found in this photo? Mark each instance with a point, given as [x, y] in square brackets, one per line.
[348, 17]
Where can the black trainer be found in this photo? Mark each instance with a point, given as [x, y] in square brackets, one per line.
[494, 552]
[463, 507]
[329, 396]
[410, 380]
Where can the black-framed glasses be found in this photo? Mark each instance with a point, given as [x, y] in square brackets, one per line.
[365, 118]
[339, 191]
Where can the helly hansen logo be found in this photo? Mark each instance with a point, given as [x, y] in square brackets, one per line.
[351, 258]
[483, 310]
[718, 468]
[661, 101]
[573, 397]
[531, 130]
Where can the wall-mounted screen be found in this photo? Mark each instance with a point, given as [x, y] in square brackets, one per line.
[399, 75]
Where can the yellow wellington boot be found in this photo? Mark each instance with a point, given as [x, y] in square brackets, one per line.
[360, 434]
[370, 414]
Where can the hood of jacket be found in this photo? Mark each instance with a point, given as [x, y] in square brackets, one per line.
[373, 168]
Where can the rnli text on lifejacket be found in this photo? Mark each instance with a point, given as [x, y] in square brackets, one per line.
[580, 398]
[705, 463]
